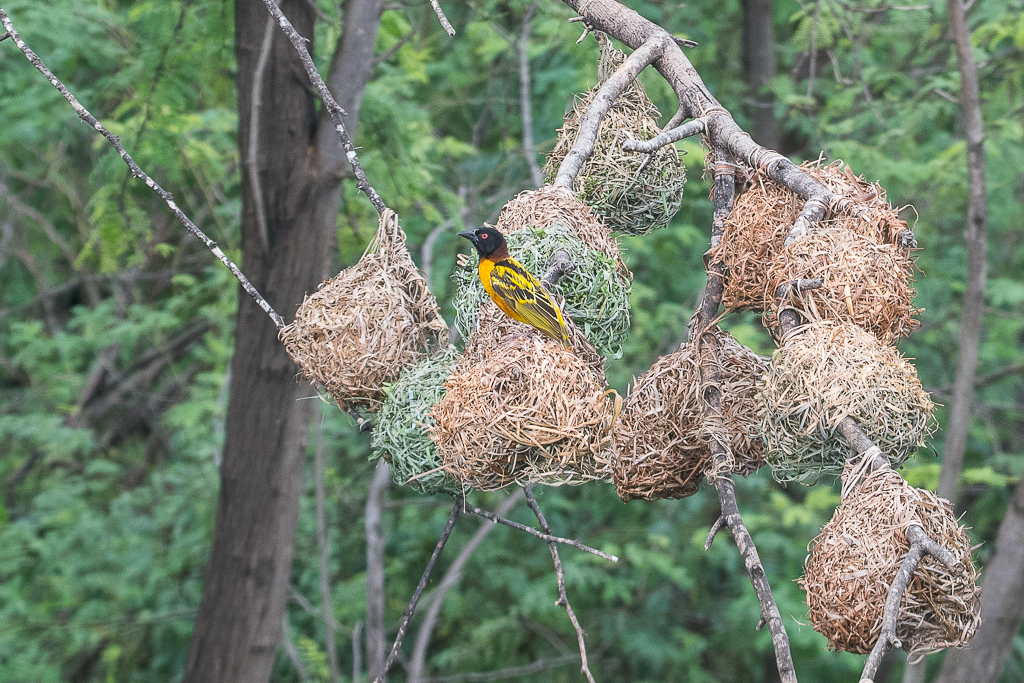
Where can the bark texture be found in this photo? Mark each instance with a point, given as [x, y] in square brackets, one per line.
[238, 626]
[759, 68]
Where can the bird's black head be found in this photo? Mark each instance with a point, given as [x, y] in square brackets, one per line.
[487, 241]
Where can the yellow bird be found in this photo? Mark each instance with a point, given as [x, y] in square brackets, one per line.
[517, 292]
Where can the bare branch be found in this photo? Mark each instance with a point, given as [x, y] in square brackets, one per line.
[563, 600]
[920, 545]
[410, 609]
[445, 24]
[688, 129]
[84, 114]
[474, 510]
[252, 160]
[586, 138]
[561, 265]
[336, 112]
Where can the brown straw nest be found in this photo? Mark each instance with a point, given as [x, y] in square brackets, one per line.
[855, 558]
[528, 412]
[635, 192]
[662, 436]
[865, 283]
[823, 373]
[556, 205]
[359, 329]
[756, 228]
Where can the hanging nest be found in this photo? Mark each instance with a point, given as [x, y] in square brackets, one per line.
[635, 192]
[358, 330]
[552, 205]
[856, 556]
[596, 294]
[494, 328]
[865, 283]
[756, 228]
[827, 371]
[662, 436]
[530, 412]
[400, 435]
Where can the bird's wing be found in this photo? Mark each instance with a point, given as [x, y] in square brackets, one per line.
[527, 298]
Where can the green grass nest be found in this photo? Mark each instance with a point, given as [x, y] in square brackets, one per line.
[400, 435]
[596, 292]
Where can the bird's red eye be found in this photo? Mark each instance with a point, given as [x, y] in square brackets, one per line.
[483, 237]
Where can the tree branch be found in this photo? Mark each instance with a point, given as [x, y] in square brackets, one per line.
[586, 138]
[84, 114]
[688, 129]
[563, 600]
[474, 510]
[336, 112]
[445, 24]
[561, 265]
[323, 551]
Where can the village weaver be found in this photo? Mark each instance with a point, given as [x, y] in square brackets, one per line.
[518, 293]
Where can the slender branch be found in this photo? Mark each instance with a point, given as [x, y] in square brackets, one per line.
[84, 114]
[586, 138]
[376, 644]
[323, 550]
[357, 652]
[688, 129]
[920, 545]
[410, 609]
[445, 24]
[703, 322]
[252, 153]
[563, 600]
[474, 510]
[335, 110]
[451, 578]
[561, 265]
[524, 99]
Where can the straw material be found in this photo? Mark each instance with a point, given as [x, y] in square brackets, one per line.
[400, 434]
[865, 283]
[358, 330]
[827, 371]
[855, 559]
[756, 228]
[529, 412]
[635, 192]
[661, 438]
[596, 294]
[552, 205]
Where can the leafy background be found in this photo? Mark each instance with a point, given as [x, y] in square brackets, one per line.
[108, 504]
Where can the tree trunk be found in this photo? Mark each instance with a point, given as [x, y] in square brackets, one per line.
[238, 626]
[376, 644]
[759, 69]
[977, 259]
[1002, 609]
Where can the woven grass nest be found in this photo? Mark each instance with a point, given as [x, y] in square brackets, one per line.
[359, 329]
[400, 434]
[824, 372]
[552, 205]
[529, 412]
[865, 283]
[635, 192]
[854, 559]
[661, 438]
[756, 228]
[596, 293]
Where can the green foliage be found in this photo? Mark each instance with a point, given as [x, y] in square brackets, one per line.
[111, 426]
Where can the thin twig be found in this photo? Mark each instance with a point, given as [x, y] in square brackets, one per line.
[410, 609]
[688, 129]
[84, 114]
[586, 138]
[335, 110]
[474, 510]
[563, 600]
[703, 322]
[920, 545]
[445, 24]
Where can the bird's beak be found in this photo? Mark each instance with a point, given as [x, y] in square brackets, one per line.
[469, 235]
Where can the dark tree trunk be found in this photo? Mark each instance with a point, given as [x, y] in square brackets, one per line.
[759, 69]
[238, 626]
[1002, 609]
